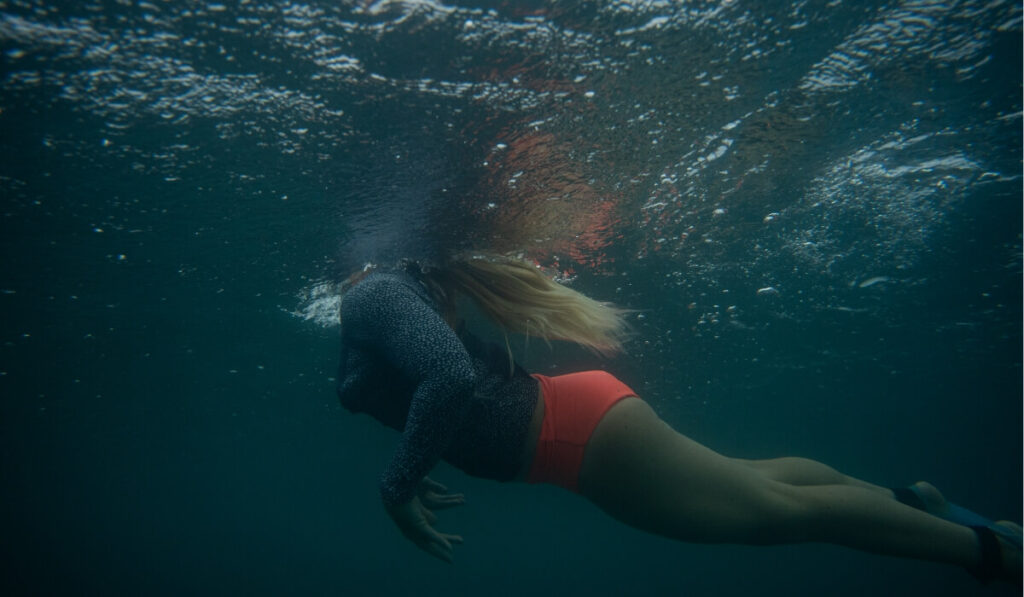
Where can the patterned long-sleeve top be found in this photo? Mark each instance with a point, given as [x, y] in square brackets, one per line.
[453, 398]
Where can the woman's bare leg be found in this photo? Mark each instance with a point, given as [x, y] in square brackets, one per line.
[803, 471]
[647, 475]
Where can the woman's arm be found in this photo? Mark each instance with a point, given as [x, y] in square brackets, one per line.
[383, 315]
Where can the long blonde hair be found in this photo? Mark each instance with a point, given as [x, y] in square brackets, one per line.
[519, 298]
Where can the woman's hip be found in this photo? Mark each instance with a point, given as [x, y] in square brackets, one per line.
[573, 406]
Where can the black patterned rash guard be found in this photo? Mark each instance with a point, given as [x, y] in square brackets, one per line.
[452, 397]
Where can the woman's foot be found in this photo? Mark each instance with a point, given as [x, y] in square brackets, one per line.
[1007, 533]
[999, 557]
[935, 503]
[1009, 550]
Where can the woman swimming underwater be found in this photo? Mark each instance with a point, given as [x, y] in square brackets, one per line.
[456, 398]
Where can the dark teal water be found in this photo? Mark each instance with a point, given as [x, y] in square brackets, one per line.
[816, 207]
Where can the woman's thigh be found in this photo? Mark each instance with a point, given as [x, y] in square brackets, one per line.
[644, 473]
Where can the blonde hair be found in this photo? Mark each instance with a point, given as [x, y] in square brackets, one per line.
[518, 297]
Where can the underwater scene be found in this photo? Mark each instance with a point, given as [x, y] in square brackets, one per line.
[813, 209]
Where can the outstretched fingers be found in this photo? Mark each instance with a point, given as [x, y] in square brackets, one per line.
[436, 501]
[416, 521]
[439, 545]
[435, 496]
[428, 484]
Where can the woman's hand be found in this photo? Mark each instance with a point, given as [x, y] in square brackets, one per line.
[435, 496]
[414, 518]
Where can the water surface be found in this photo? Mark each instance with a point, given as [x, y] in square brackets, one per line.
[816, 207]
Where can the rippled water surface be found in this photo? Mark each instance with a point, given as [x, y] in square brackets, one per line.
[815, 208]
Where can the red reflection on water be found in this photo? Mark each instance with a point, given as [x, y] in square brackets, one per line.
[541, 201]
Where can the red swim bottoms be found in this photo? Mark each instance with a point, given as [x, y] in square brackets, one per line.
[573, 406]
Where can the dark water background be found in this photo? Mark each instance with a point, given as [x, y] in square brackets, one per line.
[816, 206]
